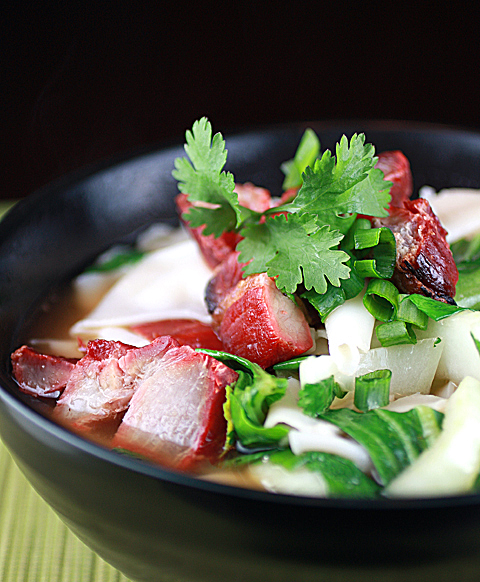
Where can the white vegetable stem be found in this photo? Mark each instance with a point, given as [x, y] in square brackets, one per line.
[413, 367]
[349, 331]
[460, 357]
[451, 465]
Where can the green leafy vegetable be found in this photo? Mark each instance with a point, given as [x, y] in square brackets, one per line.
[393, 439]
[315, 399]
[289, 364]
[116, 261]
[249, 400]
[326, 302]
[436, 310]
[345, 183]
[466, 253]
[342, 477]
[303, 249]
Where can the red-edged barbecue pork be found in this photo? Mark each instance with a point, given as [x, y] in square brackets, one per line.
[396, 169]
[100, 387]
[187, 332]
[256, 321]
[165, 401]
[216, 250]
[176, 414]
[424, 262]
[41, 375]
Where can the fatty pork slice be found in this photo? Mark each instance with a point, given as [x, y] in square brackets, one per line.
[176, 415]
[216, 250]
[41, 375]
[101, 386]
[257, 322]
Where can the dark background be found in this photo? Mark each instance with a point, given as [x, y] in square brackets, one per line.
[85, 81]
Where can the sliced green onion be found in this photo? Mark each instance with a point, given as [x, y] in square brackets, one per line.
[379, 245]
[348, 243]
[372, 390]
[381, 299]
[409, 313]
[436, 310]
[394, 333]
[306, 154]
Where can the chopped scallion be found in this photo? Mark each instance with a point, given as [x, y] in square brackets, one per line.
[381, 299]
[395, 332]
[379, 249]
[372, 390]
[409, 313]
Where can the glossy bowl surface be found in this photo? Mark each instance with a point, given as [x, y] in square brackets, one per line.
[156, 525]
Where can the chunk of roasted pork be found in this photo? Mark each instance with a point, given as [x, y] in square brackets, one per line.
[102, 384]
[424, 261]
[396, 169]
[41, 375]
[176, 414]
[216, 250]
[256, 321]
[165, 401]
[187, 332]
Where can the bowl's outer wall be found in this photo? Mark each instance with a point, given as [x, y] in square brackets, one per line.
[149, 522]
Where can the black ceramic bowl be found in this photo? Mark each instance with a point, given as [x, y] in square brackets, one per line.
[156, 525]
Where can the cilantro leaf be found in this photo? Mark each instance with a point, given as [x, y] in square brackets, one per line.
[209, 188]
[294, 251]
[345, 183]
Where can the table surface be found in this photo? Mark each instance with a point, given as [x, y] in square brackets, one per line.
[35, 545]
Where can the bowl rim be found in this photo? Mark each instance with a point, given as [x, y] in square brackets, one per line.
[148, 469]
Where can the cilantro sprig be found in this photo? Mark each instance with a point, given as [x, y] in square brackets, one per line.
[297, 243]
[209, 188]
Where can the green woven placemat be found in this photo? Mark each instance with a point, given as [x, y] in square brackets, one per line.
[35, 545]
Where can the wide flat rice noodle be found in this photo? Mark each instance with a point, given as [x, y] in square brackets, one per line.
[169, 283]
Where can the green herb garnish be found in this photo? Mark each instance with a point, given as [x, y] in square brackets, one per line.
[301, 246]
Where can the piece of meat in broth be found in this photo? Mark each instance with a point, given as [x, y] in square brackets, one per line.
[41, 375]
[187, 332]
[424, 261]
[256, 321]
[176, 414]
[396, 169]
[216, 250]
[225, 277]
[100, 387]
